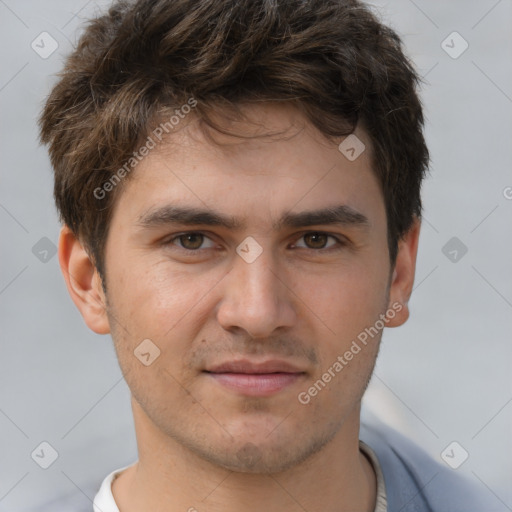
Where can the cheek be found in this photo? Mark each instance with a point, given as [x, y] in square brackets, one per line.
[156, 297]
[344, 305]
[343, 308]
[345, 301]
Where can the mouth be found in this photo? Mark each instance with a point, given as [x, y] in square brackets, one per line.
[255, 379]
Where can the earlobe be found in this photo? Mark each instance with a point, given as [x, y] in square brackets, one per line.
[403, 276]
[83, 282]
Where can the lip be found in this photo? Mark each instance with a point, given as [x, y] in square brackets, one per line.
[252, 378]
[253, 367]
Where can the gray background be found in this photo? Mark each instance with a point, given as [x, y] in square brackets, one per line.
[443, 377]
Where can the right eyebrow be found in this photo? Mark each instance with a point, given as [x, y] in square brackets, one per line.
[171, 214]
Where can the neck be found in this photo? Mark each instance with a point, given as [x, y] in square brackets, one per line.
[170, 477]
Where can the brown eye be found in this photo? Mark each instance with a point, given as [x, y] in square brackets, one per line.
[191, 241]
[316, 240]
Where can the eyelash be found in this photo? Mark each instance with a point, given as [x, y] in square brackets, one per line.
[340, 243]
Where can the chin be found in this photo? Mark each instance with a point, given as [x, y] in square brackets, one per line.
[263, 453]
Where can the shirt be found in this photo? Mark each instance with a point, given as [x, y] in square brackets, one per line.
[415, 482]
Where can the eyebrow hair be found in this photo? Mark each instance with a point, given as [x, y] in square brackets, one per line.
[190, 216]
[341, 214]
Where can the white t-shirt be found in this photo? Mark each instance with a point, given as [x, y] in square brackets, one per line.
[104, 500]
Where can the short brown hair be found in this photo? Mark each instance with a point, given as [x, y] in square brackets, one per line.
[332, 59]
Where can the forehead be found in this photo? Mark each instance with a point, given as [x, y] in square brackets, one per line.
[276, 162]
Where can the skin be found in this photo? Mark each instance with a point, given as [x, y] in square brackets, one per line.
[303, 300]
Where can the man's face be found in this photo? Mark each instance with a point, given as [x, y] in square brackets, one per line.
[275, 299]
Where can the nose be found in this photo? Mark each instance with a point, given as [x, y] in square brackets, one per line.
[256, 298]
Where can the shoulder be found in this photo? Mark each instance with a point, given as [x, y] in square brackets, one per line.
[415, 482]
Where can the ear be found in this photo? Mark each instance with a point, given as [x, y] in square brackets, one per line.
[83, 282]
[403, 276]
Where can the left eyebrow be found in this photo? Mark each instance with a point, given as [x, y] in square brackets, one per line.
[342, 215]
